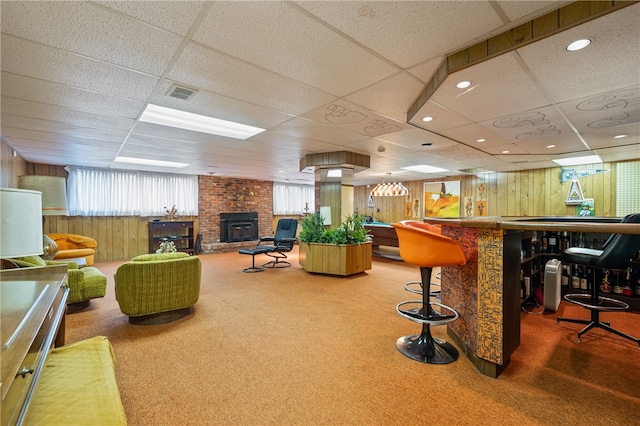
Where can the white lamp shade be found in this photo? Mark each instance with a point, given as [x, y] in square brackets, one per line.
[20, 223]
[54, 193]
[325, 212]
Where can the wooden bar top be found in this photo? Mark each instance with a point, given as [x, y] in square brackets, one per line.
[609, 225]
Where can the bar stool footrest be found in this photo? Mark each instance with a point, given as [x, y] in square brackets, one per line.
[604, 303]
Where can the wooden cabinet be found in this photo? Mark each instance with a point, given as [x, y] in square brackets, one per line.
[179, 232]
[32, 321]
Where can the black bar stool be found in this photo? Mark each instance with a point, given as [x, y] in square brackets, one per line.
[615, 254]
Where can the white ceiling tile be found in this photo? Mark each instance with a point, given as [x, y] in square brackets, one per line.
[500, 86]
[92, 31]
[536, 124]
[596, 69]
[218, 73]
[470, 133]
[66, 129]
[425, 70]
[382, 26]
[391, 97]
[618, 108]
[65, 96]
[49, 112]
[297, 46]
[174, 16]
[309, 129]
[443, 118]
[354, 118]
[54, 65]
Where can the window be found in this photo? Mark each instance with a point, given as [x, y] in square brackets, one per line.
[289, 199]
[100, 192]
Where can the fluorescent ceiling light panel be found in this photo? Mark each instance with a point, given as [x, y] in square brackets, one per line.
[425, 169]
[334, 173]
[576, 161]
[198, 123]
[146, 162]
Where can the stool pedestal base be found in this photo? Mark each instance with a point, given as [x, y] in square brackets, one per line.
[426, 348]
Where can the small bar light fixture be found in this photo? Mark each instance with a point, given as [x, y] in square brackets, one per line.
[576, 161]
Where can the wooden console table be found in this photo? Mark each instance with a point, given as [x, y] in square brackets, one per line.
[32, 321]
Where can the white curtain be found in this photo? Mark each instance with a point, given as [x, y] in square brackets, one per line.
[291, 199]
[101, 192]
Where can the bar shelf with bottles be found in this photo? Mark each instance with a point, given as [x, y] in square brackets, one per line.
[622, 285]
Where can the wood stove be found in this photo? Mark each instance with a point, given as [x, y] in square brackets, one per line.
[236, 227]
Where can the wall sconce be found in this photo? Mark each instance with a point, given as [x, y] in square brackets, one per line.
[389, 189]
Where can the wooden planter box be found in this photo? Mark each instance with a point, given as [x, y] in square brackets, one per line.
[334, 259]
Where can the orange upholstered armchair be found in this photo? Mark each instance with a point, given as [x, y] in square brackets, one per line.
[72, 246]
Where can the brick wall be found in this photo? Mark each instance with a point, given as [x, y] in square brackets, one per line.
[225, 195]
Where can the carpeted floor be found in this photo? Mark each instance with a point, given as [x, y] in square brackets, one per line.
[283, 347]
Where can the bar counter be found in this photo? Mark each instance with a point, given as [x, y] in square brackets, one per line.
[486, 291]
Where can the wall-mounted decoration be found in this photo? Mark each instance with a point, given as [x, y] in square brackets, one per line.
[481, 208]
[442, 199]
[575, 196]
[370, 202]
[586, 208]
[570, 174]
[416, 208]
[468, 206]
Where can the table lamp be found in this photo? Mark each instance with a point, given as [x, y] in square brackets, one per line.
[20, 223]
[54, 203]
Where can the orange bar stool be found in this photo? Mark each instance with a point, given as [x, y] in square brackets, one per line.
[427, 250]
[416, 286]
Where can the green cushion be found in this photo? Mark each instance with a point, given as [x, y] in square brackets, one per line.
[29, 261]
[159, 256]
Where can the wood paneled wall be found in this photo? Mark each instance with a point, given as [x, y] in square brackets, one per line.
[10, 167]
[526, 193]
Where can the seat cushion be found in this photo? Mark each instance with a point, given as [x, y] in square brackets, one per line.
[69, 254]
[160, 256]
[78, 387]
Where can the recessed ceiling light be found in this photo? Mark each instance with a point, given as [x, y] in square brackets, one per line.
[425, 169]
[551, 146]
[147, 162]
[578, 44]
[463, 84]
[427, 118]
[505, 151]
[481, 140]
[199, 123]
[576, 161]
[619, 136]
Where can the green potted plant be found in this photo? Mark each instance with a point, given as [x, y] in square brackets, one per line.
[345, 250]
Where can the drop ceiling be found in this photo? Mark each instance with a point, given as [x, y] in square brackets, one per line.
[319, 77]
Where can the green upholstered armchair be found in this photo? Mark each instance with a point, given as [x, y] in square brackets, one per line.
[84, 283]
[158, 288]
